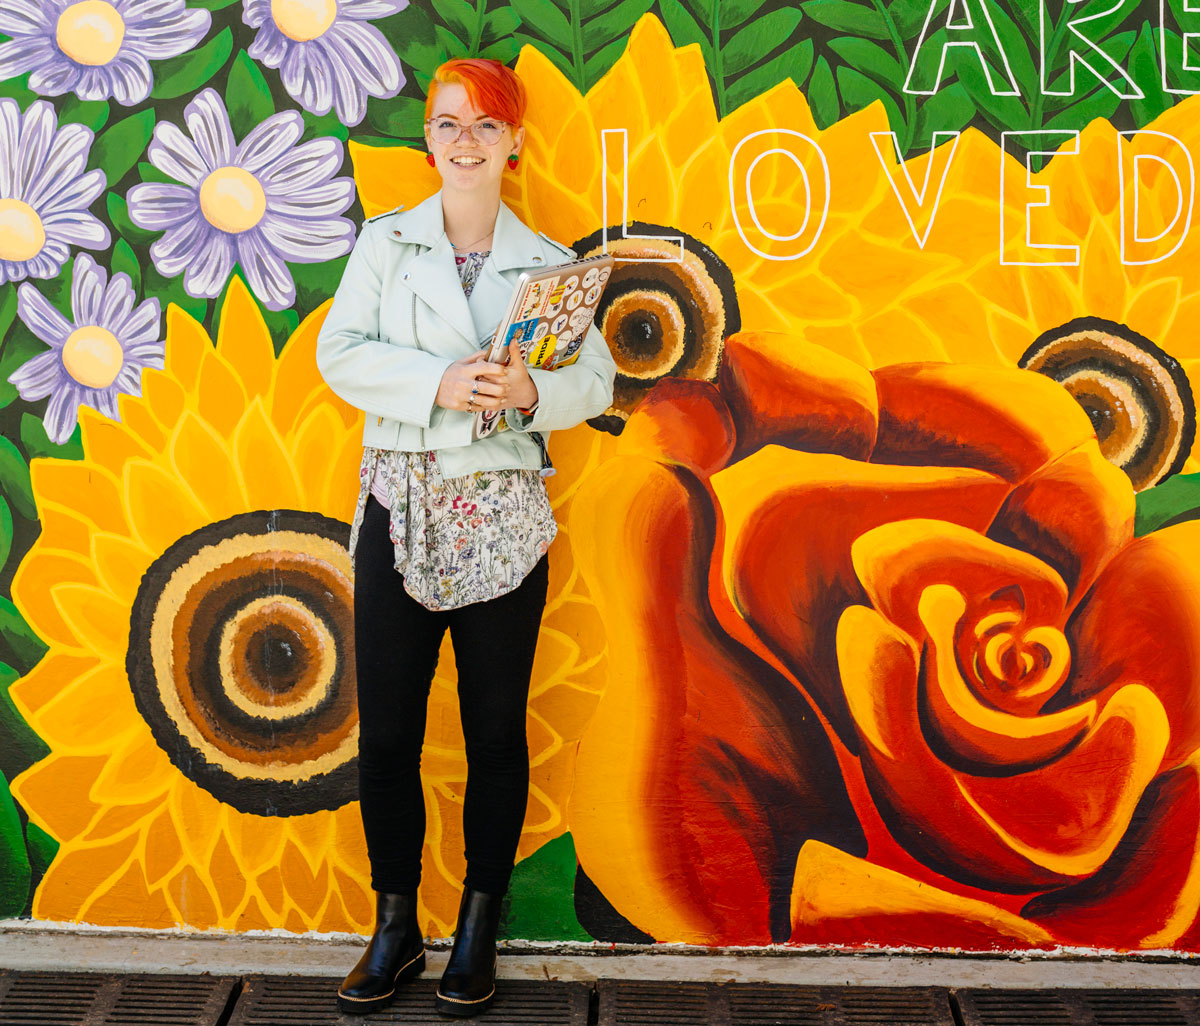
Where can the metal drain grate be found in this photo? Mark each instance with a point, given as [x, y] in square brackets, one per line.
[300, 1001]
[88, 999]
[662, 1003]
[1079, 1007]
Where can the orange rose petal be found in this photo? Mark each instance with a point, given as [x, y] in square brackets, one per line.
[787, 391]
[1003, 420]
[897, 561]
[1075, 514]
[693, 800]
[684, 422]
[1069, 815]
[1148, 894]
[1141, 621]
[840, 899]
[974, 730]
[791, 519]
[916, 792]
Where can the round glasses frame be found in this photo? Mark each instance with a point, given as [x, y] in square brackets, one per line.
[486, 131]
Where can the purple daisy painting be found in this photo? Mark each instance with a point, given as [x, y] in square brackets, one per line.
[328, 56]
[95, 48]
[91, 361]
[44, 192]
[259, 203]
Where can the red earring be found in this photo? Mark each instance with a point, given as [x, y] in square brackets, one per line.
[429, 160]
[512, 161]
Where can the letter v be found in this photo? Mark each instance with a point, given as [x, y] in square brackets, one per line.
[918, 198]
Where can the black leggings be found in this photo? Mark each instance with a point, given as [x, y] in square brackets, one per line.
[396, 648]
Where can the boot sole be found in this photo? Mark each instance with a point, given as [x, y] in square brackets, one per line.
[361, 1006]
[462, 1008]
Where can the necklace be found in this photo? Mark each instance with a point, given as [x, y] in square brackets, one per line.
[470, 244]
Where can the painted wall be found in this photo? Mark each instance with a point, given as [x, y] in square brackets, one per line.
[874, 616]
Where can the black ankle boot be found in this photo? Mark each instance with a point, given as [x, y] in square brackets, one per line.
[395, 953]
[469, 982]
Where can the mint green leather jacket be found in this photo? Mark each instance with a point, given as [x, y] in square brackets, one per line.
[399, 319]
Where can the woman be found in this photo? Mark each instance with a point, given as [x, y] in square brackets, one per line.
[402, 343]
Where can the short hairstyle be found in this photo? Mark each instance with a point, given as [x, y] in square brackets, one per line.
[492, 87]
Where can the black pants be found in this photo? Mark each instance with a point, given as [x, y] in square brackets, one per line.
[396, 648]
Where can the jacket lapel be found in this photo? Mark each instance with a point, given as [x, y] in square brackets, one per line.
[431, 274]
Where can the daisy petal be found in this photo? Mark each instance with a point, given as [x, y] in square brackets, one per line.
[349, 98]
[326, 200]
[308, 78]
[174, 154]
[168, 37]
[309, 242]
[74, 229]
[62, 412]
[255, 12]
[157, 206]
[130, 78]
[270, 46]
[40, 317]
[177, 248]
[55, 76]
[210, 267]
[118, 303]
[269, 140]
[266, 273]
[35, 379]
[21, 55]
[22, 18]
[368, 56]
[87, 289]
[365, 10]
[143, 324]
[37, 134]
[208, 121]
[304, 167]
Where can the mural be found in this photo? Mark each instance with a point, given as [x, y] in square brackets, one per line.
[871, 621]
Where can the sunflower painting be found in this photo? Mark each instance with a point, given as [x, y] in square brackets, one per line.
[872, 618]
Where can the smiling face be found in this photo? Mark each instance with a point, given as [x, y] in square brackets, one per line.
[467, 164]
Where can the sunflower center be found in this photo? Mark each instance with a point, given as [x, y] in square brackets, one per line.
[90, 32]
[232, 199]
[93, 356]
[303, 20]
[22, 235]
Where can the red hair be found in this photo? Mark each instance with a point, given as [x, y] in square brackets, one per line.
[491, 86]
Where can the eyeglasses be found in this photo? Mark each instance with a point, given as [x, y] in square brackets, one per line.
[446, 130]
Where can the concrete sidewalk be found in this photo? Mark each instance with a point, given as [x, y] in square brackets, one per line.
[27, 946]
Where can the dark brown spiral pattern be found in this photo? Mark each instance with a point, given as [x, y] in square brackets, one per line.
[1137, 396]
[241, 660]
[664, 319]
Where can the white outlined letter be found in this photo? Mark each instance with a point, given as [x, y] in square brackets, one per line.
[962, 29]
[1142, 250]
[1070, 253]
[1075, 56]
[943, 156]
[1188, 40]
[606, 220]
[764, 233]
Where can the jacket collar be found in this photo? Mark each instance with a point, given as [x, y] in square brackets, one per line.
[513, 244]
[432, 274]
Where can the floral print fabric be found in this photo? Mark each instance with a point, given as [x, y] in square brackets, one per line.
[457, 540]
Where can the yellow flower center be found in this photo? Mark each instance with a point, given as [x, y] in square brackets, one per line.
[232, 199]
[93, 356]
[303, 20]
[22, 235]
[90, 32]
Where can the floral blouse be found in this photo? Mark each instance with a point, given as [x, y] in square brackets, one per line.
[457, 540]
